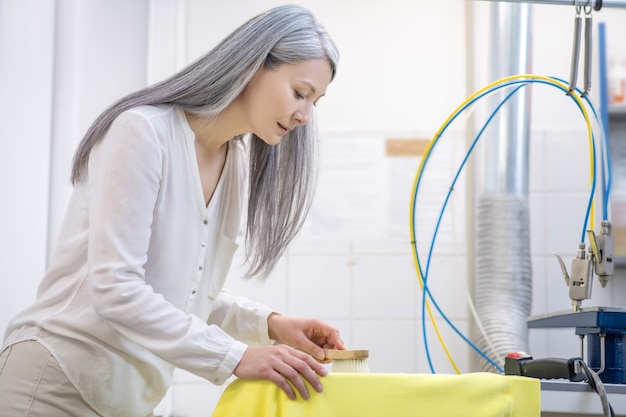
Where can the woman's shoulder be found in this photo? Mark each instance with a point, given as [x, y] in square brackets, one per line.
[160, 120]
[150, 125]
[150, 111]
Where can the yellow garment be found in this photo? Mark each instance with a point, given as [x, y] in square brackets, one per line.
[478, 394]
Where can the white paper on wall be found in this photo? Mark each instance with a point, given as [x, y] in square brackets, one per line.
[350, 197]
[363, 193]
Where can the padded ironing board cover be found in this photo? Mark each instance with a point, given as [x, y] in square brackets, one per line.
[478, 394]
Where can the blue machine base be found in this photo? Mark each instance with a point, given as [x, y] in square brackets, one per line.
[614, 360]
[595, 324]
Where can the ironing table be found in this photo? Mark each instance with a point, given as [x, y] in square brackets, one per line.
[398, 395]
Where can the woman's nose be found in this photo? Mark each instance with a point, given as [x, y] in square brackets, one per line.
[302, 116]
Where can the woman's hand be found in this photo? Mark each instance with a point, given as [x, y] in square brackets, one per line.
[282, 365]
[309, 335]
[301, 346]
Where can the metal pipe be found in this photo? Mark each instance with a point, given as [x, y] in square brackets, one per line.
[503, 278]
[597, 4]
[508, 156]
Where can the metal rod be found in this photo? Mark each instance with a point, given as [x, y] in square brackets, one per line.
[573, 78]
[618, 4]
[588, 54]
[582, 346]
[602, 353]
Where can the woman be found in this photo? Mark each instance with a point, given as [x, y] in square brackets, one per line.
[134, 288]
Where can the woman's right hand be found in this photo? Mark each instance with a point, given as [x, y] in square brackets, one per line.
[282, 365]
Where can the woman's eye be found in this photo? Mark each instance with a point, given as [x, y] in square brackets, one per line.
[299, 95]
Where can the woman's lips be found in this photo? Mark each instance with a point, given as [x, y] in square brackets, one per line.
[283, 128]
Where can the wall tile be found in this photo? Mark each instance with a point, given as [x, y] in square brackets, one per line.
[391, 344]
[540, 286]
[195, 400]
[303, 245]
[618, 282]
[538, 155]
[345, 330]
[565, 214]
[538, 343]
[448, 284]
[382, 247]
[558, 292]
[383, 287]
[319, 286]
[271, 291]
[602, 297]
[567, 171]
[562, 343]
[537, 219]
[458, 348]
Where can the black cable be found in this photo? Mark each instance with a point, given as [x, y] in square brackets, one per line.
[596, 384]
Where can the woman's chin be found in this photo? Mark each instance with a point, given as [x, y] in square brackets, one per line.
[271, 139]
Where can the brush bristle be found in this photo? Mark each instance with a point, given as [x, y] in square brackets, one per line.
[351, 366]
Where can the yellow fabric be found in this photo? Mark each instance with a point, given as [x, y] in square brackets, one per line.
[389, 395]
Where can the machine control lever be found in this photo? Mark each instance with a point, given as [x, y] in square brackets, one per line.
[520, 363]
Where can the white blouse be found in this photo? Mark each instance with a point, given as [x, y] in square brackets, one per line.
[134, 288]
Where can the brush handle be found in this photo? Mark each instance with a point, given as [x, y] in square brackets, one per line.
[346, 354]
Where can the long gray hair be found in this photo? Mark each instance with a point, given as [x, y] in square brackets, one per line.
[282, 177]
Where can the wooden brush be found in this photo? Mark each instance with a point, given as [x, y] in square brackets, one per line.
[348, 360]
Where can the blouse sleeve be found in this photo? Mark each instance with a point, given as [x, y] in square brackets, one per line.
[242, 318]
[125, 170]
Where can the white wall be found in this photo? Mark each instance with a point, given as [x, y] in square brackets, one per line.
[403, 69]
[27, 55]
[62, 63]
[26, 51]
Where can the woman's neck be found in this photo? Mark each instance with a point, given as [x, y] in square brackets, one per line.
[214, 131]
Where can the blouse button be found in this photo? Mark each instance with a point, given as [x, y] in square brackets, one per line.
[203, 244]
[193, 292]
[200, 268]
[205, 221]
